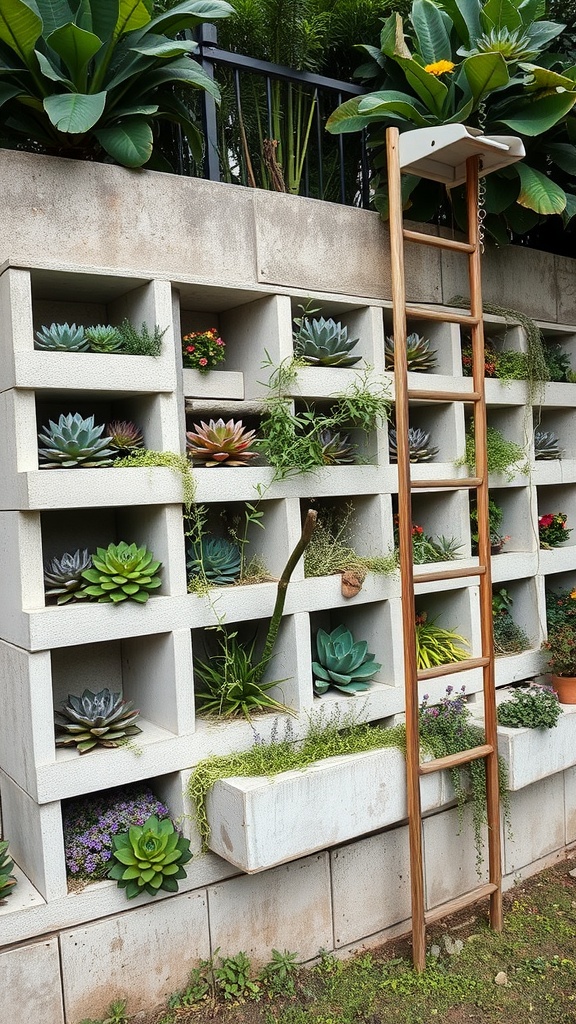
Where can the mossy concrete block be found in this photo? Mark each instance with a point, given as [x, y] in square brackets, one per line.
[537, 823]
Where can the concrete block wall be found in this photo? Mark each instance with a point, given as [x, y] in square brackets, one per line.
[190, 254]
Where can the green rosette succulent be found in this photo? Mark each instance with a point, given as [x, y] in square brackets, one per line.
[121, 572]
[324, 343]
[342, 662]
[217, 558]
[7, 880]
[149, 857]
[61, 338]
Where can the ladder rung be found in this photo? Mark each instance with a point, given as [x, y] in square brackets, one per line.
[466, 483]
[436, 240]
[451, 668]
[453, 906]
[440, 764]
[444, 316]
[445, 396]
[450, 574]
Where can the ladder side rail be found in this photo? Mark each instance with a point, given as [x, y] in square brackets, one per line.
[396, 228]
[481, 470]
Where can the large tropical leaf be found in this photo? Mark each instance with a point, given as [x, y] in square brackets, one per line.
[563, 154]
[570, 210]
[383, 103]
[188, 72]
[105, 14]
[54, 14]
[189, 13]
[20, 27]
[158, 46]
[132, 14]
[466, 17]
[381, 200]
[49, 70]
[75, 113]
[544, 78]
[76, 47]
[485, 72]
[128, 143]
[8, 92]
[428, 87]
[542, 32]
[501, 14]
[533, 117]
[539, 193]
[433, 38]
[346, 117]
[392, 38]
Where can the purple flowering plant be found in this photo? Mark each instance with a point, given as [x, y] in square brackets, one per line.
[91, 822]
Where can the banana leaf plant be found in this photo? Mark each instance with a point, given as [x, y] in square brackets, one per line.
[94, 78]
[485, 64]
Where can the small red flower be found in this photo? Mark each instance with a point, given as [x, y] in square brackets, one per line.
[203, 362]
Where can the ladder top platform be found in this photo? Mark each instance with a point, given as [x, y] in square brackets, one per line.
[440, 153]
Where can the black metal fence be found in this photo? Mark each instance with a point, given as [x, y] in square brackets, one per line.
[269, 130]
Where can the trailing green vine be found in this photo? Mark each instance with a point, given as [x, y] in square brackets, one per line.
[172, 460]
[291, 440]
[329, 552]
[502, 455]
[340, 734]
[536, 368]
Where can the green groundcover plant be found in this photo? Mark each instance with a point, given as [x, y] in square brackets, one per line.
[531, 707]
[93, 79]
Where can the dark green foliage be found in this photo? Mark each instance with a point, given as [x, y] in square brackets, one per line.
[508, 637]
[229, 683]
[531, 707]
[149, 857]
[559, 364]
[142, 342]
[560, 609]
[233, 978]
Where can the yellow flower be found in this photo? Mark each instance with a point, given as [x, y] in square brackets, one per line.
[573, 594]
[440, 67]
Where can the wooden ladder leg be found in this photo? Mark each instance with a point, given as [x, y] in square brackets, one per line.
[482, 497]
[405, 543]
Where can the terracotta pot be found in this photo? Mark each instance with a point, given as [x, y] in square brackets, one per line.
[565, 687]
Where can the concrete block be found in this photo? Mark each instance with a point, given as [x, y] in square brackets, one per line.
[142, 955]
[220, 384]
[514, 276]
[565, 271]
[26, 729]
[370, 885]
[534, 754]
[450, 856]
[36, 838]
[570, 804]
[537, 822]
[31, 988]
[259, 822]
[137, 221]
[287, 908]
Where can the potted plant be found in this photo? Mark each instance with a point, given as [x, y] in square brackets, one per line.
[495, 517]
[561, 645]
[552, 530]
[203, 350]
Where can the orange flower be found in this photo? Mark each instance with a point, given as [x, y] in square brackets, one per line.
[440, 67]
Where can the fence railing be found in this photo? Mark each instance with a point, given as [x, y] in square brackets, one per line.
[270, 129]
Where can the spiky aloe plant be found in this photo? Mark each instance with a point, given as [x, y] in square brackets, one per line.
[122, 572]
[149, 857]
[7, 880]
[418, 443]
[221, 444]
[546, 445]
[95, 719]
[104, 338]
[74, 441]
[124, 436]
[62, 338]
[216, 558]
[63, 576]
[419, 356]
[324, 343]
[342, 662]
[337, 449]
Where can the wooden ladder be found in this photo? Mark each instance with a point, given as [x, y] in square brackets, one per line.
[478, 483]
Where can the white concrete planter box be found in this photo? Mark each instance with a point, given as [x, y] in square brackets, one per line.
[91, 371]
[218, 384]
[257, 823]
[94, 488]
[534, 754]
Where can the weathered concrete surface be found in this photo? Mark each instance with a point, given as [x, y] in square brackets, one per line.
[144, 954]
[30, 989]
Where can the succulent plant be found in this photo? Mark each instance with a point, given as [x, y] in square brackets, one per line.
[62, 337]
[95, 719]
[218, 443]
[7, 880]
[342, 662]
[324, 343]
[337, 450]
[419, 356]
[121, 572]
[63, 576]
[418, 442]
[149, 857]
[546, 445]
[124, 436]
[74, 441]
[103, 338]
[217, 558]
